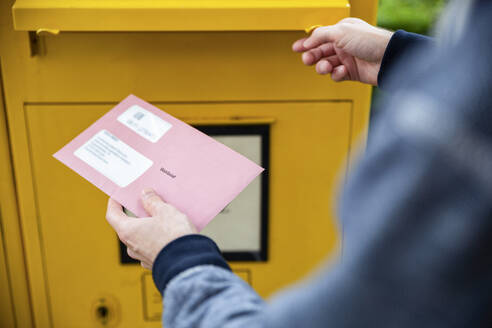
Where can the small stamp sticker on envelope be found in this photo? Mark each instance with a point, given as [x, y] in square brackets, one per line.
[145, 123]
[113, 158]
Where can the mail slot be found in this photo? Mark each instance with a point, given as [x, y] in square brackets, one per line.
[224, 67]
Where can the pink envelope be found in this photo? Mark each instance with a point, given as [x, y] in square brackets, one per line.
[136, 145]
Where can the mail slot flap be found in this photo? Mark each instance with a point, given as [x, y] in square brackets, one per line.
[172, 15]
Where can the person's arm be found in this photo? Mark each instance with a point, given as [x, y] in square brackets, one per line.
[401, 42]
[199, 288]
[355, 50]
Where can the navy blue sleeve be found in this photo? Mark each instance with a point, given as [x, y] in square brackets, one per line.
[399, 44]
[182, 254]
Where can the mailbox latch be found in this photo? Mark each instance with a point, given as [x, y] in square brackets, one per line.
[36, 40]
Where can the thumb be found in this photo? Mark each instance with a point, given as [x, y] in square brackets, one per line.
[115, 215]
[151, 202]
[321, 35]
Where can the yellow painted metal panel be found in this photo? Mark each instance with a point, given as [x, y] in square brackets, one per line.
[7, 318]
[212, 66]
[15, 308]
[366, 10]
[7, 315]
[17, 199]
[172, 15]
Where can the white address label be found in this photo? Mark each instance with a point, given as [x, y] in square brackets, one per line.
[145, 123]
[113, 158]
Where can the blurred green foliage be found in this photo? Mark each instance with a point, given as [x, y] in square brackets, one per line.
[411, 15]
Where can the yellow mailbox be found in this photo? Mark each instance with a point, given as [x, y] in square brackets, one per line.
[225, 67]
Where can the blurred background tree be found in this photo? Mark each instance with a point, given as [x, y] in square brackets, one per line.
[411, 15]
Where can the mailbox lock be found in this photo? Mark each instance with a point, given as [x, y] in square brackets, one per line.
[102, 313]
[105, 311]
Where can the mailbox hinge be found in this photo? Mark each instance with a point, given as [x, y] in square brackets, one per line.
[36, 41]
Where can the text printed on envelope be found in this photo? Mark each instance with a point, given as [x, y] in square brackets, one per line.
[113, 158]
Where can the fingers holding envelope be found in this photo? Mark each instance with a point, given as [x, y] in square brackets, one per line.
[115, 215]
[121, 224]
[146, 237]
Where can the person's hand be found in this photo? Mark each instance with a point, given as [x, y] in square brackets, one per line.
[350, 50]
[145, 237]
